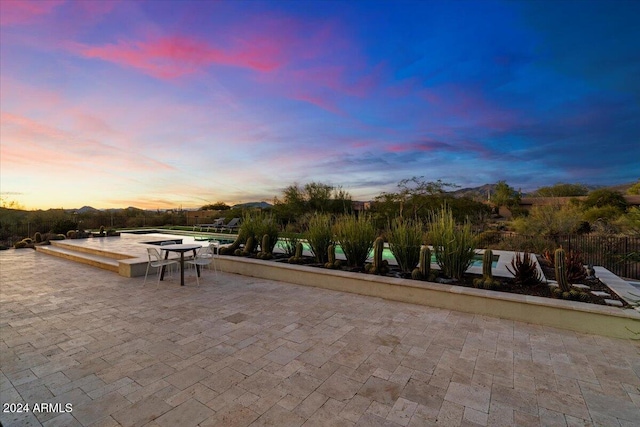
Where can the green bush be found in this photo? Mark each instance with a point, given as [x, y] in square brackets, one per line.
[489, 238]
[549, 220]
[63, 225]
[320, 236]
[604, 213]
[405, 240]
[356, 236]
[454, 245]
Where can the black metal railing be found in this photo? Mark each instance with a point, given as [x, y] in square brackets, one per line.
[618, 254]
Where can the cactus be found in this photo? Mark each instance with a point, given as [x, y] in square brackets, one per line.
[487, 261]
[297, 258]
[234, 247]
[37, 237]
[264, 248]
[561, 271]
[331, 256]
[249, 246]
[487, 281]
[424, 268]
[377, 267]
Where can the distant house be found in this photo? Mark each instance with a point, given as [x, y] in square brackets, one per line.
[360, 206]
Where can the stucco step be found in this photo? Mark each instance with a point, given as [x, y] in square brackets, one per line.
[99, 261]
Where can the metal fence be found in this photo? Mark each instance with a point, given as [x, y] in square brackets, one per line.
[618, 254]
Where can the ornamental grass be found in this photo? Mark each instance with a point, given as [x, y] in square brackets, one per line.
[356, 236]
[453, 244]
[405, 238]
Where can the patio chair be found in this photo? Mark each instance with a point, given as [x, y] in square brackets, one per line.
[216, 225]
[232, 225]
[205, 257]
[156, 261]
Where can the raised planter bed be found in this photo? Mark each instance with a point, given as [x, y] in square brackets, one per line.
[572, 315]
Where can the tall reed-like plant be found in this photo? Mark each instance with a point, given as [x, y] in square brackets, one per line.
[356, 236]
[290, 240]
[405, 240]
[453, 244]
[320, 236]
[266, 224]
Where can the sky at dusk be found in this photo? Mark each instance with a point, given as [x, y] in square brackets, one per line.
[160, 104]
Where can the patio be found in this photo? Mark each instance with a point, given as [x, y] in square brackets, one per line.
[240, 351]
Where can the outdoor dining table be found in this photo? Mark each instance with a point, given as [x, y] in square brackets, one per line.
[181, 249]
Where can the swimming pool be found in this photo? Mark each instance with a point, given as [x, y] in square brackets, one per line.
[158, 236]
[388, 255]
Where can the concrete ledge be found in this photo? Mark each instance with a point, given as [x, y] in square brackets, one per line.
[73, 246]
[622, 288]
[572, 315]
[91, 259]
[134, 267]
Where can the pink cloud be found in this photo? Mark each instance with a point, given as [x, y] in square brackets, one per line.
[16, 12]
[319, 101]
[25, 140]
[170, 57]
[427, 145]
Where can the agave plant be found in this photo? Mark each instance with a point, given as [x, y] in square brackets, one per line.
[524, 270]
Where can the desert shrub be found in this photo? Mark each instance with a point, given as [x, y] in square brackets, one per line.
[602, 213]
[356, 236]
[524, 270]
[320, 236]
[405, 240]
[489, 238]
[63, 225]
[549, 220]
[454, 245]
[603, 197]
[629, 223]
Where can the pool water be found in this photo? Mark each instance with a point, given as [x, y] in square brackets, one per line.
[388, 255]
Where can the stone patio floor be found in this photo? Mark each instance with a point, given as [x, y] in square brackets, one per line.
[239, 351]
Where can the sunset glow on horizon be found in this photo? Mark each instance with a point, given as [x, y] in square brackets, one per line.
[185, 103]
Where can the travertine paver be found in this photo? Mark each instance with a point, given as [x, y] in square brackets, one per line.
[239, 351]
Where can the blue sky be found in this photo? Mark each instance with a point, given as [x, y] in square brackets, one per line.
[163, 104]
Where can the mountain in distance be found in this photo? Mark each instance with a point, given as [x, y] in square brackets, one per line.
[86, 209]
[482, 192]
[261, 205]
[476, 193]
